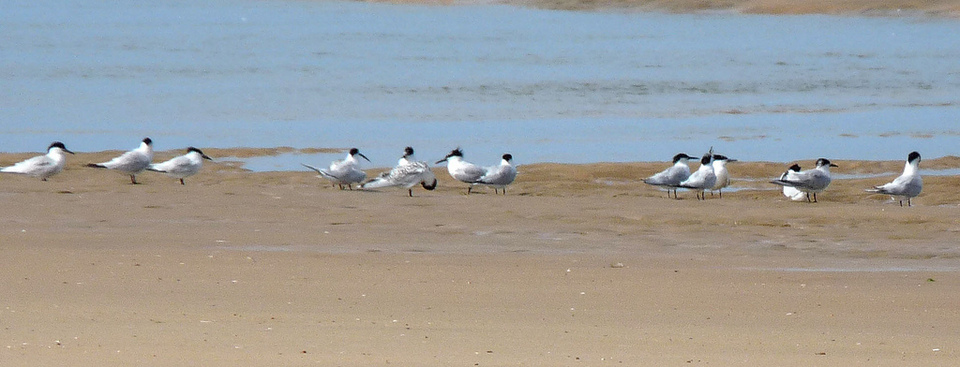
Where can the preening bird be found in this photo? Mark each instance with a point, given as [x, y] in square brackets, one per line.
[408, 173]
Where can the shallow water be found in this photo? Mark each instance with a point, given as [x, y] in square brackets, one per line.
[542, 85]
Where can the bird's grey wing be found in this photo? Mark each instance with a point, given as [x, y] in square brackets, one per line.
[502, 175]
[672, 176]
[128, 162]
[471, 173]
[30, 166]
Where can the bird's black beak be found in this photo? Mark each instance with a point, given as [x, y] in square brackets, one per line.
[206, 157]
[68, 151]
[441, 161]
[833, 165]
[364, 157]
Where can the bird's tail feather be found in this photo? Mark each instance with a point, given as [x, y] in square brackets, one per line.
[375, 183]
[96, 165]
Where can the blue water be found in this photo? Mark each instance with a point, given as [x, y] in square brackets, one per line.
[545, 86]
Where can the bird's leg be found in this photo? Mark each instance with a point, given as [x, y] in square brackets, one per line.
[908, 203]
[410, 192]
[469, 188]
[815, 198]
[721, 193]
[181, 182]
[133, 179]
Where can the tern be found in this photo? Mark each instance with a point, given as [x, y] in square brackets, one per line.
[810, 181]
[703, 179]
[343, 172]
[499, 176]
[723, 176]
[673, 176]
[132, 162]
[42, 166]
[182, 166]
[462, 170]
[908, 185]
[406, 174]
[790, 191]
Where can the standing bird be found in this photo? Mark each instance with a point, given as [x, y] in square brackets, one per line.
[673, 176]
[462, 170]
[42, 166]
[703, 179]
[790, 191]
[499, 176]
[182, 166]
[908, 185]
[406, 174]
[810, 181]
[132, 162]
[723, 176]
[343, 172]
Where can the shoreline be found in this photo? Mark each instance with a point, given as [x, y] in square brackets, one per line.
[948, 9]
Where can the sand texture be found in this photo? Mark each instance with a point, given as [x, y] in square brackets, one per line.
[578, 265]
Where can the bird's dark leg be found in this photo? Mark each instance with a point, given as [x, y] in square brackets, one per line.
[133, 179]
[721, 193]
[908, 203]
[469, 188]
[181, 182]
[410, 192]
[815, 198]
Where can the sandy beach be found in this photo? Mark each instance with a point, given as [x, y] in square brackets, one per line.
[576, 265]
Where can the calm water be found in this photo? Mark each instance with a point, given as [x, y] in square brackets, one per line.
[543, 85]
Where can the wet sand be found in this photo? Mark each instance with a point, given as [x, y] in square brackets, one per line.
[939, 8]
[576, 265]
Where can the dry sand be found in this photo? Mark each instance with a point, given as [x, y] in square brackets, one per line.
[578, 265]
[939, 8]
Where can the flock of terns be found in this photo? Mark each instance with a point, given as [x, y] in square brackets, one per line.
[797, 185]
[712, 175]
